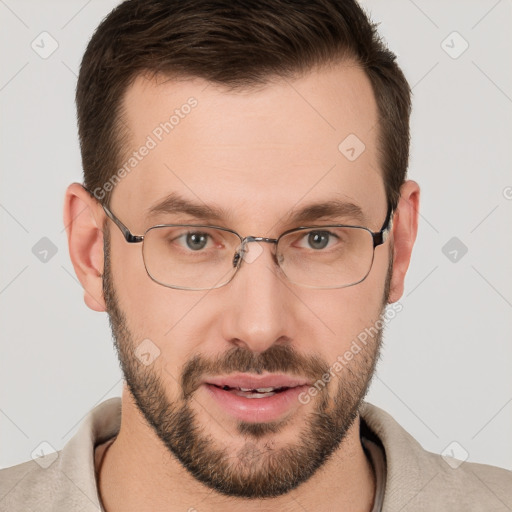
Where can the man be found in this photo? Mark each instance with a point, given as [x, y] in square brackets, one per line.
[245, 218]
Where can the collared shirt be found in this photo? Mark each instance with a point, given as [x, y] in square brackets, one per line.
[375, 452]
[408, 478]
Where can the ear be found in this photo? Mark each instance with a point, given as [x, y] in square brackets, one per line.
[405, 228]
[83, 218]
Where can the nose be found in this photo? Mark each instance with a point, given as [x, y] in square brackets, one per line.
[258, 311]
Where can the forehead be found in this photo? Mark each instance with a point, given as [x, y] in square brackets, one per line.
[257, 152]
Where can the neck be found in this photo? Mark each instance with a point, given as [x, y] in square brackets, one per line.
[138, 473]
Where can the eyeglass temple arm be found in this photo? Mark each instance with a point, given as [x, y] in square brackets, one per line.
[132, 239]
[381, 236]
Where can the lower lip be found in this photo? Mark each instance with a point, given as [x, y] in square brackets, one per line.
[256, 410]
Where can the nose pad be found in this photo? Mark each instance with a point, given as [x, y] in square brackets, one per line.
[249, 254]
[239, 254]
[236, 259]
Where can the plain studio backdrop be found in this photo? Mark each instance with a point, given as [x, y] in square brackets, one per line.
[447, 356]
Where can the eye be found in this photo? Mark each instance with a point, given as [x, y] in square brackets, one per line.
[319, 240]
[194, 240]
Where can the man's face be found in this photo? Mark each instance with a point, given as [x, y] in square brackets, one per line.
[260, 156]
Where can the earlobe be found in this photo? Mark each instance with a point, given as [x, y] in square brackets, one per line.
[405, 228]
[83, 221]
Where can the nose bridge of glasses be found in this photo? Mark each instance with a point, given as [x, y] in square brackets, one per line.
[242, 248]
[259, 239]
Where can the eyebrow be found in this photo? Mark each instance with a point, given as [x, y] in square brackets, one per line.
[332, 208]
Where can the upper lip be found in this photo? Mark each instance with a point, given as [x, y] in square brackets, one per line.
[247, 381]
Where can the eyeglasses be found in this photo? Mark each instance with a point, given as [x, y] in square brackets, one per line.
[204, 257]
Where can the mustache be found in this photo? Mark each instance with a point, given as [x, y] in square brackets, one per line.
[277, 358]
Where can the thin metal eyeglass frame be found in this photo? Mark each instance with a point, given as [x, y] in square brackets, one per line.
[378, 237]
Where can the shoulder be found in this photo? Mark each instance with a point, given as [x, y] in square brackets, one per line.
[64, 480]
[420, 480]
[30, 486]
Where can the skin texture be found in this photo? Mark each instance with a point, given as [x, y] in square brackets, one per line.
[258, 154]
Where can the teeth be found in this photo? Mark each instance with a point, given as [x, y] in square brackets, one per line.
[246, 394]
[259, 390]
[254, 392]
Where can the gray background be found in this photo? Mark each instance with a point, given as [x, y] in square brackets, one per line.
[445, 370]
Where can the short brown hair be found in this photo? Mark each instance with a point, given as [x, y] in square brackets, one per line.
[238, 44]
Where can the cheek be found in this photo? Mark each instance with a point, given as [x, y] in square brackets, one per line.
[153, 311]
[346, 312]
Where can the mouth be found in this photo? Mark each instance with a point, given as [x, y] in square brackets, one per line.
[256, 398]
